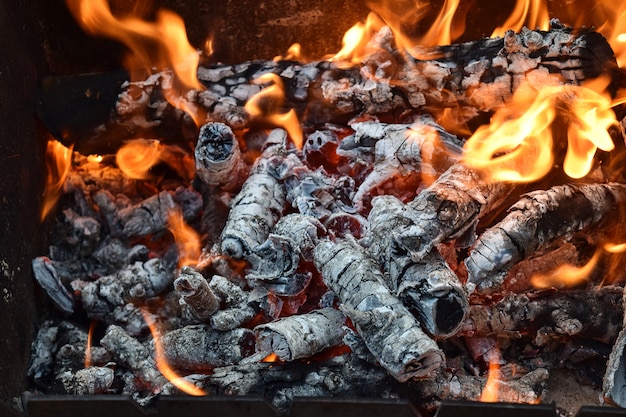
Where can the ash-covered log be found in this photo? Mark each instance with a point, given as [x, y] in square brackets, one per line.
[429, 288]
[389, 330]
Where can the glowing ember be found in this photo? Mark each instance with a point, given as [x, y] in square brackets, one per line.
[566, 276]
[266, 105]
[165, 369]
[187, 239]
[92, 328]
[272, 357]
[58, 163]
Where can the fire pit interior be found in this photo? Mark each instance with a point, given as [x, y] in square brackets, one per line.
[431, 211]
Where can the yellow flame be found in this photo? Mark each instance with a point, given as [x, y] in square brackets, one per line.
[136, 157]
[153, 45]
[517, 144]
[58, 164]
[566, 275]
[273, 97]
[186, 238]
[164, 367]
[529, 13]
[492, 385]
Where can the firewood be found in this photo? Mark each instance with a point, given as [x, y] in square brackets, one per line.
[201, 348]
[301, 335]
[239, 305]
[47, 277]
[592, 314]
[87, 381]
[388, 329]
[615, 375]
[471, 77]
[196, 294]
[131, 353]
[219, 162]
[149, 216]
[261, 201]
[400, 151]
[293, 238]
[449, 208]
[538, 219]
[429, 288]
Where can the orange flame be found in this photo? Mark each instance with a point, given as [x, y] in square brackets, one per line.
[566, 275]
[136, 157]
[161, 363]
[272, 357]
[274, 97]
[160, 44]
[492, 385]
[356, 39]
[614, 247]
[92, 328]
[58, 164]
[517, 144]
[614, 28]
[187, 239]
[530, 13]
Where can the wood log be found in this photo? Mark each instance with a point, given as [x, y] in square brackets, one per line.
[471, 78]
[538, 219]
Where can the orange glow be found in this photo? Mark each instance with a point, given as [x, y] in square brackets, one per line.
[92, 328]
[614, 247]
[58, 164]
[136, 157]
[161, 363]
[441, 31]
[272, 357]
[187, 239]
[566, 275]
[356, 39]
[614, 28]
[154, 45]
[530, 13]
[273, 97]
[293, 53]
[492, 385]
[517, 144]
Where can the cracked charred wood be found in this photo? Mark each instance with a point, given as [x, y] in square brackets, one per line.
[219, 162]
[261, 201]
[301, 335]
[149, 216]
[449, 209]
[591, 314]
[201, 348]
[132, 354]
[138, 281]
[238, 304]
[342, 376]
[429, 288]
[470, 77]
[196, 294]
[538, 219]
[520, 387]
[47, 277]
[389, 330]
[404, 153]
[87, 381]
[293, 238]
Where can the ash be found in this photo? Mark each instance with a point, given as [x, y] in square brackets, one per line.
[374, 262]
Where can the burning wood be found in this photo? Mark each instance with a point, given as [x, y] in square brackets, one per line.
[388, 329]
[349, 256]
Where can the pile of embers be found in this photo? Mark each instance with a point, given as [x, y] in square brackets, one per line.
[349, 267]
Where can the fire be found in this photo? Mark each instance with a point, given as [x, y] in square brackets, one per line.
[614, 247]
[529, 13]
[492, 385]
[58, 164]
[566, 275]
[187, 239]
[153, 45]
[161, 363]
[274, 97]
[272, 357]
[135, 158]
[517, 144]
[92, 329]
